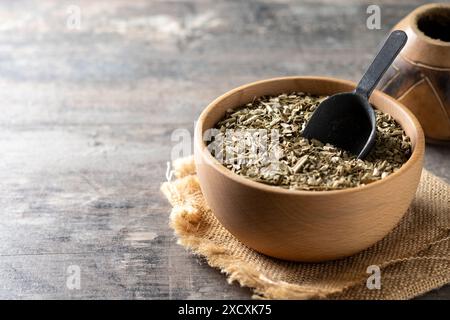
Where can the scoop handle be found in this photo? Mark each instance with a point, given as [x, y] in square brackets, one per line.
[391, 48]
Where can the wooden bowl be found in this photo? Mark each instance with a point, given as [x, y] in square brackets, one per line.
[306, 225]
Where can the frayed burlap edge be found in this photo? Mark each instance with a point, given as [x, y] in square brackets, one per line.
[184, 220]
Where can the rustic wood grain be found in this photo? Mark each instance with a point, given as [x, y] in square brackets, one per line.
[87, 118]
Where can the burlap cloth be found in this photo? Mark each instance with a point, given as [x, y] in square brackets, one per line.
[414, 258]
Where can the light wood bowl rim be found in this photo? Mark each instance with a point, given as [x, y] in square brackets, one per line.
[418, 148]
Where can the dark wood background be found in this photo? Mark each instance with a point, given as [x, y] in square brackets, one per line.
[87, 117]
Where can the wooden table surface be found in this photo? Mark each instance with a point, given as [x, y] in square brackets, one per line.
[88, 115]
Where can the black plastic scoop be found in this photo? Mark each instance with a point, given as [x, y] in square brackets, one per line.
[347, 120]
